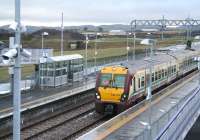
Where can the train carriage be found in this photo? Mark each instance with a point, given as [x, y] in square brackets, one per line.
[119, 87]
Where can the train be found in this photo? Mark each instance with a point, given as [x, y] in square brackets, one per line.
[119, 87]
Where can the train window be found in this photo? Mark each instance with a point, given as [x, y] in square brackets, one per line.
[159, 74]
[118, 81]
[163, 73]
[105, 80]
[152, 77]
[190, 61]
[169, 72]
[156, 76]
[174, 68]
[138, 82]
[142, 81]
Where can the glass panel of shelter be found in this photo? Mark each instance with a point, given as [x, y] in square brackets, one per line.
[62, 71]
[76, 68]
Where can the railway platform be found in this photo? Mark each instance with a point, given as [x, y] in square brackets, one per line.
[38, 97]
[150, 120]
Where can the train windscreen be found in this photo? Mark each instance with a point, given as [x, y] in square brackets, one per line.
[118, 81]
[105, 80]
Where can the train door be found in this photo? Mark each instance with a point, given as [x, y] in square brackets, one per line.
[131, 86]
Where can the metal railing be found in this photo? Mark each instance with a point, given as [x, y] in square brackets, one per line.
[176, 122]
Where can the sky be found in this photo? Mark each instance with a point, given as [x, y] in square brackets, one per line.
[96, 12]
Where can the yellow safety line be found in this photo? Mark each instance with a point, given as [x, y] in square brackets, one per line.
[122, 122]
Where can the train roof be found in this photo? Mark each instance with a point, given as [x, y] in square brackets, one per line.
[178, 53]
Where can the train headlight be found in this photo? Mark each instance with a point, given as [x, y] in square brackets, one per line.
[98, 96]
[123, 97]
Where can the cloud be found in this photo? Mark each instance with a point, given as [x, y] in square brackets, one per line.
[97, 11]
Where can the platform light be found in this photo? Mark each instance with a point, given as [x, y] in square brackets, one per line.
[43, 34]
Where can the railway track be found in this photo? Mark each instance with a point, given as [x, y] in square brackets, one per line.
[49, 111]
[62, 125]
[70, 123]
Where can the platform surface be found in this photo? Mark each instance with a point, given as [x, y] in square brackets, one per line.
[38, 97]
[133, 122]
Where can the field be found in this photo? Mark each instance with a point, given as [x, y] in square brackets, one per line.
[27, 70]
[106, 47]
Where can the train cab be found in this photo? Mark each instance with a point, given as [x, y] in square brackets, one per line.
[112, 88]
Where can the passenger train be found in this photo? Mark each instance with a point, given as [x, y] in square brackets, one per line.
[119, 87]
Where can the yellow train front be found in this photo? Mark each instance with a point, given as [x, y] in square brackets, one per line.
[112, 89]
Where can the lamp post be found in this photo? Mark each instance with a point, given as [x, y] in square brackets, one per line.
[127, 46]
[43, 56]
[150, 42]
[134, 36]
[43, 34]
[95, 53]
[61, 45]
[133, 31]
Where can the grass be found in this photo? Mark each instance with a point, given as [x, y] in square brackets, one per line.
[106, 47]
[109, 47]
[27, 70]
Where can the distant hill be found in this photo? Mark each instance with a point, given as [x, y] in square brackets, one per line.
[55, 34]
[31, 29]
[105, 28]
